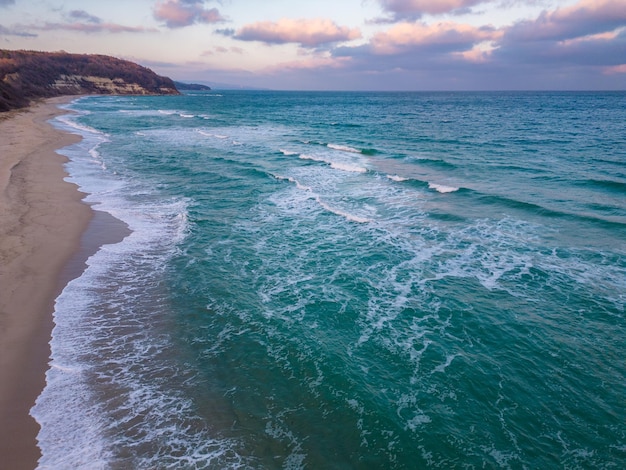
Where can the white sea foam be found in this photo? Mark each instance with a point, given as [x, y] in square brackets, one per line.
[343, 148]
[442, 188]
[397, 178]
[287, 152]
[336, 165]
[210, 134]
[295, 181]
[304, 156]
[441, 368]
[70, 122]
[112, 340]
[348, 167]
[417, 421]
[313, 189]
[344, 214]
[97, 157]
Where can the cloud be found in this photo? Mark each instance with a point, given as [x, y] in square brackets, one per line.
[228, 32]
[313, 62]
[181, 13]
[440, 37]
[615, 69]
[305, 32]
[82, 22]
[83, 15]
[413, 9]
[15, 32]
[406, 55]
[584, 18]
[590, 32]
[580, 46]
[222, 50]
[92, 27]
[6, 3]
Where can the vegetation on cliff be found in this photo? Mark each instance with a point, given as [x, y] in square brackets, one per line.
[182, 86]
[28, 75]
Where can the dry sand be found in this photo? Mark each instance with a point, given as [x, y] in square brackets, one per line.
[42, 219]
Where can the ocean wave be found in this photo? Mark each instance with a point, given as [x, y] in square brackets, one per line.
[343, 166]
[325, 205]
[433, 162]
[606, 184]
[171, 112]
[348, 167]
[93, 152]
[210, 134]
[398, 179]
[70, 121]
[343, 148]
[294, 181]
[346, 215]
[346, 124]
[552, 212]
[440, 188]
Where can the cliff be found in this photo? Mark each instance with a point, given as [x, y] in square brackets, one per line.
[182, 86]
[28, 75]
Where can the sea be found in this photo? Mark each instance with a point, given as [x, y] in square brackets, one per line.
[345, 280]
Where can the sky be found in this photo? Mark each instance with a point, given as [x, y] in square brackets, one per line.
[341, 44]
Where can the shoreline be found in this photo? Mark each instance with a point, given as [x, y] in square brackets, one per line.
[47, 233]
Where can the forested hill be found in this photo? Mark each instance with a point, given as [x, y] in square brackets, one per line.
[28, 75]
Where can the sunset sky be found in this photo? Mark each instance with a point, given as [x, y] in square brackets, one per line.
[341, 44]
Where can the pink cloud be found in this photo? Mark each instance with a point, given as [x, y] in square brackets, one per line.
[83, 15]
[446, 36]
[416, 8]
[585, 18]
[312, 63]
[81, 21]
[606, 36]
[180, 13]
[92, 27]
[223, 50]
[306, 32]
[615, 69]
[590, 33]
[478, 54]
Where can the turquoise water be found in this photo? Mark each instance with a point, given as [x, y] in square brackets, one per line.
[346, 280]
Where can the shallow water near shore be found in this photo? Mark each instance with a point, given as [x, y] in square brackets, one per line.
[346, 280]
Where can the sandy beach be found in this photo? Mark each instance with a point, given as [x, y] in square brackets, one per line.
[42, 220]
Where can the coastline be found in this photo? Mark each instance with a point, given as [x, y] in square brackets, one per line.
[46, 234]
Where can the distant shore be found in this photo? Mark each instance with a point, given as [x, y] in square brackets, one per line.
[42, 220]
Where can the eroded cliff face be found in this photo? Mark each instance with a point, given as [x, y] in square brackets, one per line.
[79, 84]
[27, 75]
